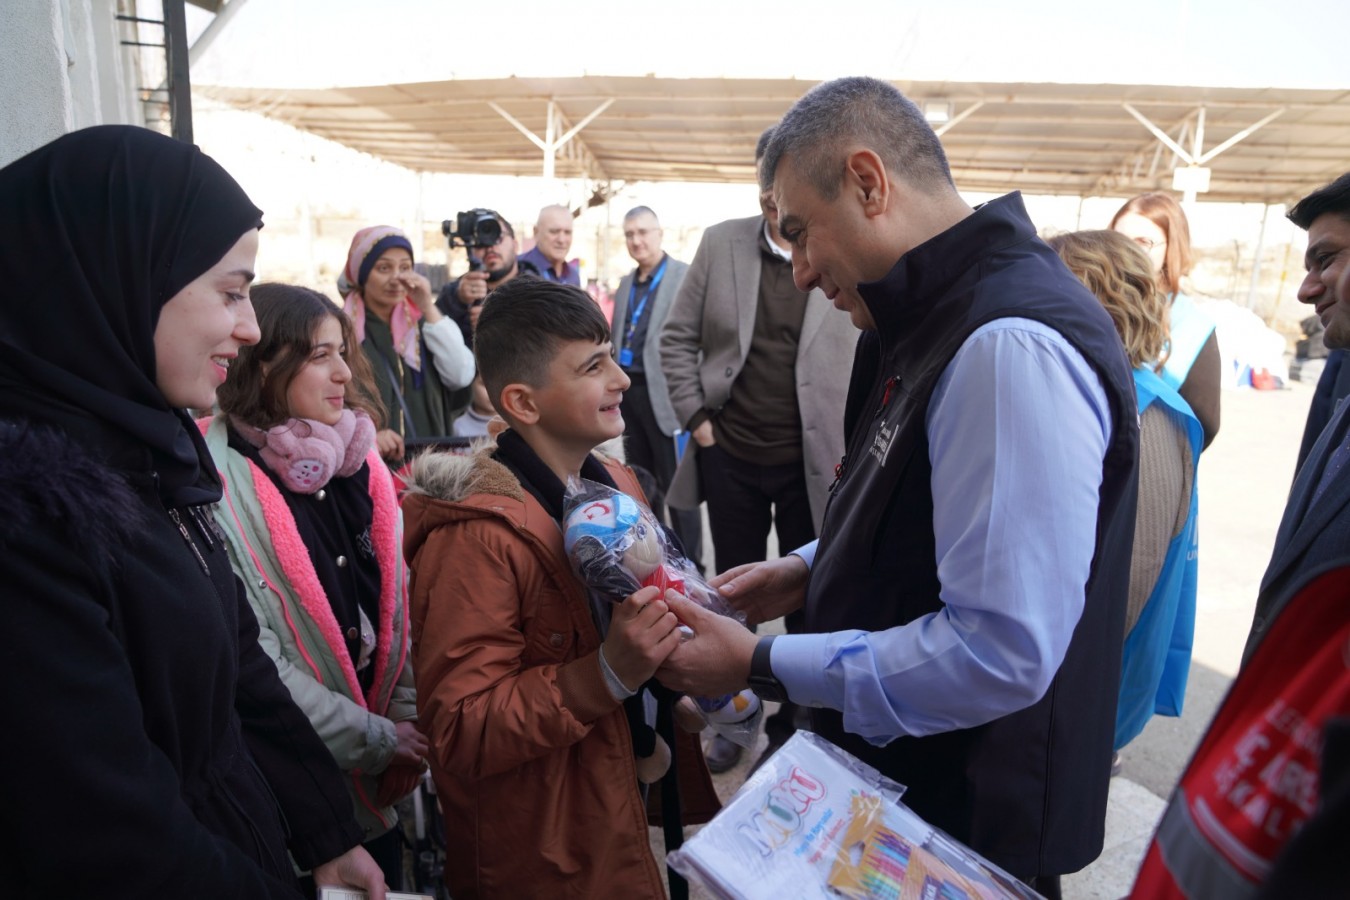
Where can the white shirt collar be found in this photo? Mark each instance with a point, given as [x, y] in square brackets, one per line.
[778, 251]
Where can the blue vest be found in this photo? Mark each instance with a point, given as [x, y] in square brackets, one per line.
[1157, 657]
[1190, 328]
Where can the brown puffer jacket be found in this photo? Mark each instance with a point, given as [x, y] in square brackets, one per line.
[532, 757]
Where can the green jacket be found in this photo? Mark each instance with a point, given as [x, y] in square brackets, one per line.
[301, 634]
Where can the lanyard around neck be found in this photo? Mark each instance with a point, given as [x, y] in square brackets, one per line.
[641, 307]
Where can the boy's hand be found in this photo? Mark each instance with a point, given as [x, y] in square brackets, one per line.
[642, 633]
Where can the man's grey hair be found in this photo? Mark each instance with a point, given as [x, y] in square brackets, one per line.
[763, 143]
[639, 210]
[552, 206]
[860, 110]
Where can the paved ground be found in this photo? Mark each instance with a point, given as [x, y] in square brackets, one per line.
[1244, 479]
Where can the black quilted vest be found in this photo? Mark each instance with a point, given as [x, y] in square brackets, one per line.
[1027, 790]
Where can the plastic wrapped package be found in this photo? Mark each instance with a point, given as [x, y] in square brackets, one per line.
[813, 821]
[616, 546]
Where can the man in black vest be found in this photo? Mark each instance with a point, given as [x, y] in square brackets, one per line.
[966, 598]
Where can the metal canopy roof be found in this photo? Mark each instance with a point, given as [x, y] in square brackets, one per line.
[1076, 139]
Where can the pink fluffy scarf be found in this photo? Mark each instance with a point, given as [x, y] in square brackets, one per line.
[306, 454]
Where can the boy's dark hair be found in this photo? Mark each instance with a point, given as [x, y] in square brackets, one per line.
[1330, 198]
[522, 324]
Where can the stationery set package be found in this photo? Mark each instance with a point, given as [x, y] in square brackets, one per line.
[813, 821]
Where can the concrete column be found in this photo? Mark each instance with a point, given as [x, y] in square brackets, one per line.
[63, 68]
[33, 68]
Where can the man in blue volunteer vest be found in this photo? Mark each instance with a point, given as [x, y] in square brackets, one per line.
[965, 601]
[640, 309]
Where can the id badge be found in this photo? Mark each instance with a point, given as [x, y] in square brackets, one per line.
[626, 357]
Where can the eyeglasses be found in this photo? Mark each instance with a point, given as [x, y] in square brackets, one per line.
[1148, 245]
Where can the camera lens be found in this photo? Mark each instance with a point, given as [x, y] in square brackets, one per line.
[487, 232]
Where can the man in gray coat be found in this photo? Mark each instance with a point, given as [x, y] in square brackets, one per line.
[758, 373]
[640, 309]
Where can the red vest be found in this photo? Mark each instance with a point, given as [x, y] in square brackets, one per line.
[1255, 778]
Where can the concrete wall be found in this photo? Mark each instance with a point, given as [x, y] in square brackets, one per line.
[62, 67]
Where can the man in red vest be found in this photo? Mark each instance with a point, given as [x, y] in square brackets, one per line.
[1263, 809]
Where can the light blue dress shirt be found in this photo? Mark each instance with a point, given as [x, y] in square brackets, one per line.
[1017, 432]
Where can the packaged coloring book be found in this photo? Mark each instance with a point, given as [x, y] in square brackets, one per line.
[814, 821]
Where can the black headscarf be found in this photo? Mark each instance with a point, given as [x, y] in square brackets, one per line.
[98, 230]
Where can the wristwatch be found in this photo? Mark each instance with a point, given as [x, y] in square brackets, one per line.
[762, 680]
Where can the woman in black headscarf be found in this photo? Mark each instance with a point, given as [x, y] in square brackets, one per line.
[152, 749]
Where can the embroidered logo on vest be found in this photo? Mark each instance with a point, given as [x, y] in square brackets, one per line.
[885, 436]
[881, 443]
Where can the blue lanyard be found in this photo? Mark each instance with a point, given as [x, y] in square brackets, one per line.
[641, 307]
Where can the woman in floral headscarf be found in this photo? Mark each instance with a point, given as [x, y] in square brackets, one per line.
[399, 327]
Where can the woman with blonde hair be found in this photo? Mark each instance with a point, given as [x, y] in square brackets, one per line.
[1157, 224]
[1160, 616]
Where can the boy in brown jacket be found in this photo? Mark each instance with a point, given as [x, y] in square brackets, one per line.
[522, 680]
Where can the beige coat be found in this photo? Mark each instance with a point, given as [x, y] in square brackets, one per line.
[707, 338]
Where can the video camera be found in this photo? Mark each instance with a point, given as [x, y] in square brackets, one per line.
[473, 230]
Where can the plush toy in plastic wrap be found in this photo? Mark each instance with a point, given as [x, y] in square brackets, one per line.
[617, 547]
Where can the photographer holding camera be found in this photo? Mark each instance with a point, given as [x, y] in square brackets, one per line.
[491, 244]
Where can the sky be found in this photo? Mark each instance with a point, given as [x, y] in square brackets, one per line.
[330, 43]
[327, 43]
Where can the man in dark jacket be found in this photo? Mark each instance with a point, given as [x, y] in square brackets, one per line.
[1316, 525]
[1264, 804]
[1325, 215]
[462, 298]
[965, 601]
